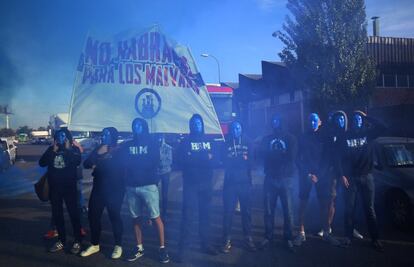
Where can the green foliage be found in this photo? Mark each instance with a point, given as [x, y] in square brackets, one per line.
[24, 129]
[325, 48]
[6, 132]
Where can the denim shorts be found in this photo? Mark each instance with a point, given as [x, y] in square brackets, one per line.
[143, 201]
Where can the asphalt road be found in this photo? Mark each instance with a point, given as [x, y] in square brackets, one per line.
[24, 219]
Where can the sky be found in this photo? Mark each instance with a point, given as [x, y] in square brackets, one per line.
[40, 41]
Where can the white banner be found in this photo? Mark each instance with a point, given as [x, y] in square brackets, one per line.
[139, 74]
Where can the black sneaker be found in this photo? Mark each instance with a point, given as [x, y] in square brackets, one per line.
[209, 250]
[378, 246]
[226, 247]
[56, 247]
[164, 258]
[346, 243]
[250, 246]
[290, 246]
[76, 247]
[180, 257]
[265, 244]
[136, 254]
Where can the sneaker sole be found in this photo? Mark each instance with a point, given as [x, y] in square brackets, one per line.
[166, 261]
[134, 259]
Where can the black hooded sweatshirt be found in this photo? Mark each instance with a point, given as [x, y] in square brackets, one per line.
[195, 156]
[311, 154]
[108, 172]
[61, 165]
[357, 148]
[279, 151]
[140, 158]
[237, 160]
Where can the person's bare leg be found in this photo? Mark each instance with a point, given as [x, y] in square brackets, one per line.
[160, 229]
[302, 209]
[138, 231]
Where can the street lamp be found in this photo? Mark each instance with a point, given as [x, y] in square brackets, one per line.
[218, 64]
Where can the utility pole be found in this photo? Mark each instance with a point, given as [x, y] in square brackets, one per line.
[6, 111]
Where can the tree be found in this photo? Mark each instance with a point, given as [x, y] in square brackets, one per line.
[325, 49]
[24, 129]
[6, 132]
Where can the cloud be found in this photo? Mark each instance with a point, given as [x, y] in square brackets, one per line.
[269, 5]
[396, 19]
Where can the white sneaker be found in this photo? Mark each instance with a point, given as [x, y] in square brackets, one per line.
[92, 249]
[320, 233]
[300, 238]
[117, 253]
[357, 235]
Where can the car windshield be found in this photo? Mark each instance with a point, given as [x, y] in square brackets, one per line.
[399, 155]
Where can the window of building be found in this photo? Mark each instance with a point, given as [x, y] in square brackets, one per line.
[380, 80]
[411, 80]
[402, 80]
[389, 80]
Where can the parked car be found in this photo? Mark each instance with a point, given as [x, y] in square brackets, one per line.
[394, 178]
[4, 159]
[41, 141]
[9, 146]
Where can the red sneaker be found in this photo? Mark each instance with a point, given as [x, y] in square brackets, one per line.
[50, 234]
[83, 232]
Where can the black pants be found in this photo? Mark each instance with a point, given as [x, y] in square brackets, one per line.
[112, 201]
[68, 194]
[274, 188]
[365, 185]
[232, 193]
[194, 194]
[165, 182]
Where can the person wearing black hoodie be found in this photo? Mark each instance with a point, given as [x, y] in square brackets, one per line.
[279, 151]
[237, 184]
[140, 158]
[107, 191]
[313, 164]
[195, 156]
[357, 151]
[61, 160]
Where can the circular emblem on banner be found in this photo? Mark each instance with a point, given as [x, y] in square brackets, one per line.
[148, 103]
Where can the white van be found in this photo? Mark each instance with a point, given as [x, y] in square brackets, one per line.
[9, 146]
[394, 178]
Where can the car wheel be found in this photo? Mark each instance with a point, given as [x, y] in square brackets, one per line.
[399, 208]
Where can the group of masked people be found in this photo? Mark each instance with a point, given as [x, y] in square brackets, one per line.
[323, 156]
[328, 156]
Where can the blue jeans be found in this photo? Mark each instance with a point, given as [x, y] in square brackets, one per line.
[274, 188]
[365, 185]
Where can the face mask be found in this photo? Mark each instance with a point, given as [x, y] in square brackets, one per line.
[197, 126]
[340, 121]
[314, 121]
[276, 123]
[137, 128]
[236, 130]
[357, 123]
[61, 138]
[106, 137]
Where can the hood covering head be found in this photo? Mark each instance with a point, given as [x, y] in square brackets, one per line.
[333, 120]
[113, 133]
[277, 123]
[144, 124]
[361, 122]
[193, 130]
[232, 127]
[67, 133]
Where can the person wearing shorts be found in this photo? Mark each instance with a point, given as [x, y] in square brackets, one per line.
[141, 158]
[314, 169]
